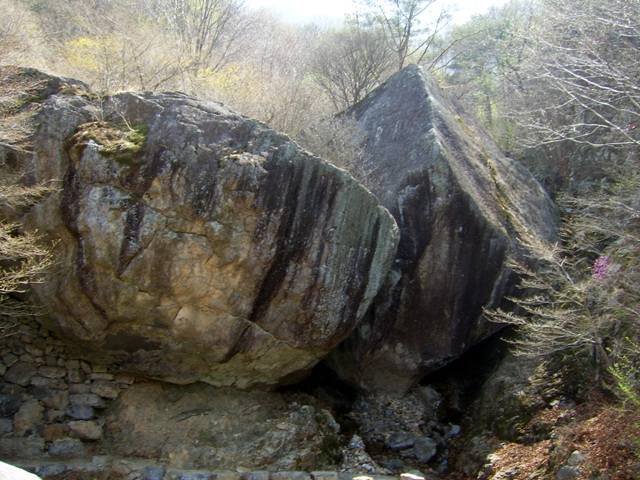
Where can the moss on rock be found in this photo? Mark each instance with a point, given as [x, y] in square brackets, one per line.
[124, 143]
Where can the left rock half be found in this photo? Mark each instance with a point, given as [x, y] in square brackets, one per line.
[195, 244]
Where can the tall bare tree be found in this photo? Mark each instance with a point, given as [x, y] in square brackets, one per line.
[206, 29]
[350, 62]
[407, 32]
[587, 60]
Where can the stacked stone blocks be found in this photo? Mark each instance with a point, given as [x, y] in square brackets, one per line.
[50, 402]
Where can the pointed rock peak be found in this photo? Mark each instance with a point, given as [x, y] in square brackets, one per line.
[461, 207]
[412, 126]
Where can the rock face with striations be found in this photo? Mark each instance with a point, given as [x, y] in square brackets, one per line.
[461, 207]
[199, 426]
[194, 244]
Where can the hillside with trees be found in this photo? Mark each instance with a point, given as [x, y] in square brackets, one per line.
[555, 82]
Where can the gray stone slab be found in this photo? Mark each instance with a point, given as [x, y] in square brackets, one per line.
[20, 373]
[67, 447]
[22, 447]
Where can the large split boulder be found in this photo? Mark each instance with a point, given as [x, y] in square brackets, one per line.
[462, 208]
[194, 244]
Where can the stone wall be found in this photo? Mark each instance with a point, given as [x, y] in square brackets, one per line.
[50, 402]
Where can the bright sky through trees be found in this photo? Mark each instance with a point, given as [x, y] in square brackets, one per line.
[304, 11]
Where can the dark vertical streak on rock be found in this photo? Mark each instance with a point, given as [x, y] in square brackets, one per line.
[70, 210]
[241, 344]
[202, 188]
[415, 219]
[311, 295]
[285, 236]
[357, 283]
[302, 204]
[131, 245]
[149, 171]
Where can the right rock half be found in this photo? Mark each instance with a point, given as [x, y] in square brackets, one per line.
[462, 208]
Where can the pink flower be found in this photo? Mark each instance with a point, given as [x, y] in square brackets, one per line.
[601, 268]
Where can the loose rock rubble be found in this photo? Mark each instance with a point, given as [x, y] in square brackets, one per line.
[356, 460]
[140, 469]
[406, 433]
